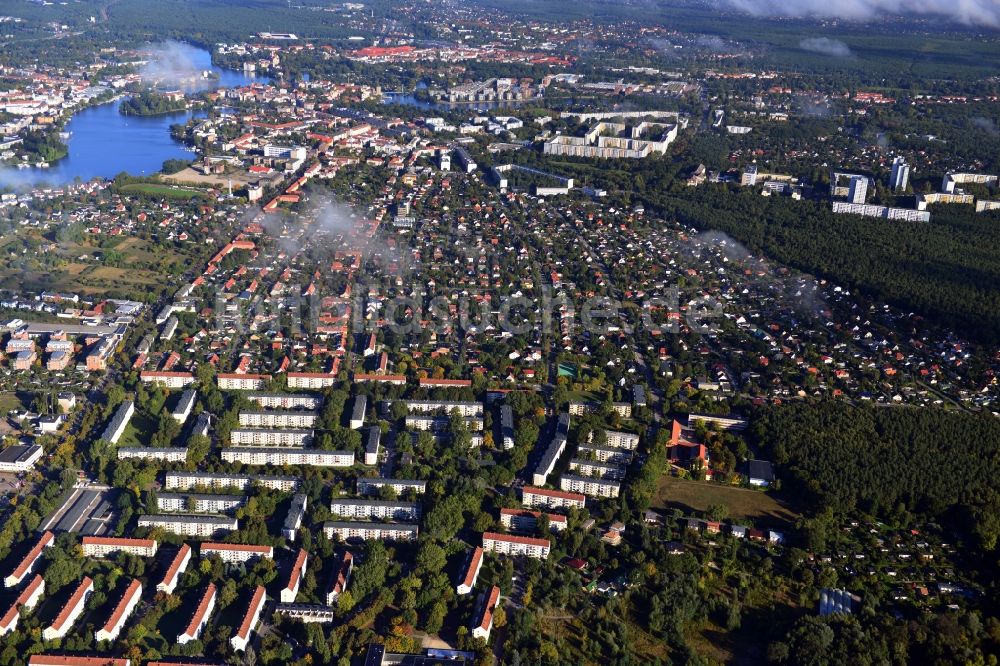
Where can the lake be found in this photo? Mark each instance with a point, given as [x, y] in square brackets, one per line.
[103, 142]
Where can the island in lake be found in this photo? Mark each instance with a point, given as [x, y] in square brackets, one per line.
[149, 103]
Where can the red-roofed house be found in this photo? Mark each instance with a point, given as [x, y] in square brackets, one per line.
[236, 553]
[28, 562]
[200, 617]
[291, 590]
[177, 566]
[471, 572]
[506, 544]
[121, 613]
[242, 637]
[71, 660]
[70, 612]
[342, 579]
[484, 622]
[27, 599]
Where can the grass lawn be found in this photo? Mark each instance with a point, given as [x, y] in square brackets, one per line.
[697, 496]
[157, 190]
[8, 401]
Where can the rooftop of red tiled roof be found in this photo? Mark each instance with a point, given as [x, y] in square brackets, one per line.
[77, 598]
[134, 588]
[496, 536]
[246, 625]
[199, 612]
[243, 547]
[474, 561]
[300, 563]
[175, 564]
[36, 550]
[118, 541]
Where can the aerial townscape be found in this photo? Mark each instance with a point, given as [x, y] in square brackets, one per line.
[499, 332]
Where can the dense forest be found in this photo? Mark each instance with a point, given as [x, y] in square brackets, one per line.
[889, 461]
[947, 270]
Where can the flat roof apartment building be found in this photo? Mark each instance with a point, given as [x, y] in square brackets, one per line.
[589, 486]
[375, 509]
[279, 456]
[347, 531]
[189, 525]
[237, 553]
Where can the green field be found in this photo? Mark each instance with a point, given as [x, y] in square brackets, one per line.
[156, 190]
[697, 496]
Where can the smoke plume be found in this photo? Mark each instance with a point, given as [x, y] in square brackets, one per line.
[826, 46]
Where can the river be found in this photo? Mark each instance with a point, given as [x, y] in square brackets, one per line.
[103, 142]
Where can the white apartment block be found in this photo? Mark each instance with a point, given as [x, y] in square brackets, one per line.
[293, 521]
[483, 623]
[270, 437]
[541, 498]
[201, 614]
[471, 574]
[604, 454]
[29, 561]
[279, 418]
[190, 480]
[188, 525]
[425, 423]
[178, 565]
[94, 546]
[238, 382]
[250, 618]
[445, 406]
[310, 401]
[198, 503]
[589, 486]
[287, 456]
[28, 598]
[549, 459]
[236, 553]
[342, 579]
[872, 210]
[116, 426]
[525, 520]
[373, 444]
[307, 613]
[291, 589]
[372, 485]
[183, 409]
[121, 613]
[375, 510]
[508, 544]
[70, 612]
[310, 380]
[619, 440]
[591, 468]
[364, 531]
[171, 380]
[164, 453]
